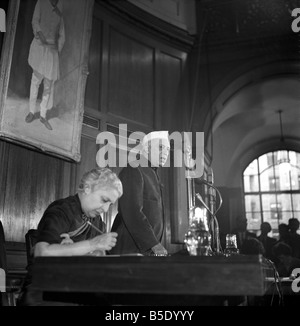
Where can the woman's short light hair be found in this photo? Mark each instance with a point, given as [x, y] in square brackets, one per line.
[101, 178]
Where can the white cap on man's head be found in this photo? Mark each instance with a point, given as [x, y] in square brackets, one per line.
[156, 135]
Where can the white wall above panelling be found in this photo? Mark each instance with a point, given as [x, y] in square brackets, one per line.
[181, 13]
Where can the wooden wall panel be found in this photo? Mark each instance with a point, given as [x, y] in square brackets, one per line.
[33, 181]
[169, 77]
[89, 150]
[131, 79]
[3, 174]
[67, 181]
[93, 87]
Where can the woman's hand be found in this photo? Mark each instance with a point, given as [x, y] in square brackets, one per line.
[104, 241]
[66, 239]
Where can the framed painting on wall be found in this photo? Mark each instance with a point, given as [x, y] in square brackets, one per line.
[44, 68]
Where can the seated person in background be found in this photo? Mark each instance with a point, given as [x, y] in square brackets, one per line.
[252, 246]
[294, 237]
[286, 263]
[267, 241]
[284, 233]
[73, 226]
[241, 231]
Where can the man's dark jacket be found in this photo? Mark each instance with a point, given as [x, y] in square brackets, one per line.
[140, 221]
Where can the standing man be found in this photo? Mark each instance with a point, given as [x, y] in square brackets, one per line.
[140, 221]
[48, 42]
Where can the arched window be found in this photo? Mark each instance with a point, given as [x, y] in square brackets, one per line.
[272, 189]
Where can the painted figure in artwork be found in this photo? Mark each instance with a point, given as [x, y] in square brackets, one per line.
[48, 42]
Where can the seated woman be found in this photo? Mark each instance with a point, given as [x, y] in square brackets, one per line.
[73, 226]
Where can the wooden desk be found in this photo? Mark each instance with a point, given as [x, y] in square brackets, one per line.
[172, 276]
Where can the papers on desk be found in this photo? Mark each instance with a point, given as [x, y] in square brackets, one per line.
[101, 253]
[126, 255]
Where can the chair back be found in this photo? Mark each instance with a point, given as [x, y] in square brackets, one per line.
[30, 240]
[3, 262]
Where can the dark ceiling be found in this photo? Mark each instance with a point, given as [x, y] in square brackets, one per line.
[246, 122]
[249, 18]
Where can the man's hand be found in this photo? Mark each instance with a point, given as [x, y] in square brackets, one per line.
[42, 38]
[104, 241]
[159, 250]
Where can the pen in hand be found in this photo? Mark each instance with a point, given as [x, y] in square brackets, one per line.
[96, 253]
[94, 227]
[84, 217]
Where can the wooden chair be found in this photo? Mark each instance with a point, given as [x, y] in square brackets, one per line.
[30, 240]
[7, 298]
[3, 263]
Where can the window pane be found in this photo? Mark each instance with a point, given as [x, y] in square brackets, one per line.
[265, 162]
[274, 215]
[253, 221]
[295, 178]
[252, 203]
[283, 175]
[286, 216]
[278, 176]
[267, 216]
[285, 201]
[296, 202]
[280, 156]
[268, 202]
[251, 169]
[297, 159]
[251, 178]
[268, 180]
[293, 158]
[297, 215]
[251, 183]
